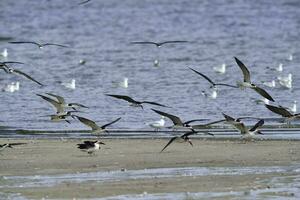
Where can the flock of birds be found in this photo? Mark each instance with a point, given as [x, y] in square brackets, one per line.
[64, 111]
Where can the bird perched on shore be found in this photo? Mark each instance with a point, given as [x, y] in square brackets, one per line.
[247, 81]
[10, 145]
[183, 138]
[40, 45]
[90, 146]
[95, 128]
[9, 70]
[133, 102]
[245, 132]
[158, 124]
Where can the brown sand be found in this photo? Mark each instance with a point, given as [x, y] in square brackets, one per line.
[56, 156]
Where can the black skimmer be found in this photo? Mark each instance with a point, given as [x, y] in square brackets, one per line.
[8, 69]
[211, 82]
[95, 128]
[283, 112]
[90, 146]
[40, 45]
[183, 138]
[178, 123]
[10, 145]
[62, 116]
[159, 44]
[133, 102]
[239, 125]
[247, 81]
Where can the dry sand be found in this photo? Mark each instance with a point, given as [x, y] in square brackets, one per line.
[43, 157]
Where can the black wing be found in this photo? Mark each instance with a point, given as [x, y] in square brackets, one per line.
[25, 42]
[154, 103]
[27, 76]
[279, 110]
[257, 125]
[174, 41]
[263, 93]
[105, 125]
[176, 120]
[53, 44]
[224, 84]
[126, 98]
[84, 2]
[228, 118]
[244, 69]
[170, 141]
[11, 62]
[208, 79]
[156, 44]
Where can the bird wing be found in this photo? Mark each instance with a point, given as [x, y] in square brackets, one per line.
[174, 41]
[25, 42]
[170, 141]
[257, 125]
[154, 103]
[57, 105]
[105, 125]
[78, 104]
[208, 79]
[228, 118]
[263, 93]
[244, 69]
[27, 76]
[194, 120]
[224, 84]
[157, 44]
[279, 110]
[126, 98]
[11, 62]
[83, 2]
[88, 123]
[205, 125]
[176, 120]
[53, 44]
[59, 98]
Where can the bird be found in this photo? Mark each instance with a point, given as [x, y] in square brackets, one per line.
[182, 138]
[71, 85]
[122, 84]
[10, 70]
[245, 132]
[212, 95]
[280, 110]
[220, 69]
[40, 45]
[159, 44]
[10, 145]
[247, 81]
[62, 116]
[90, 146]
[135, 103]
[290, 58]
[286, 81]
[12, 87]
[210, 81]
[278, 69]
[158, 124]
[4, 53]
[177, 122]
[270, 84]
[95, 128]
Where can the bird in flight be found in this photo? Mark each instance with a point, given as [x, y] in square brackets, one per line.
[159, 44]
[134, 102]
[247, 81]
[9, 70]
[40, 45]
[283, 112]
[90, 146]
[95, 128]
[210, 81]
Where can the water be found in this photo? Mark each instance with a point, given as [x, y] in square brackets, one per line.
[260, 33]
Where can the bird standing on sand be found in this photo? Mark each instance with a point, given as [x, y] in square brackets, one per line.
[10, 145]
[90, 146]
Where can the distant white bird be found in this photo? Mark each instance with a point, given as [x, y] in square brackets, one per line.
[158, 124]
[278, 69]
[70, 85]
[270, 84]
[122, 84]
[291, 57]
[220, 69]
[11, 87]
[212, 95]
[285, 81]
[4, 53]
[156, 63]
[293, 108]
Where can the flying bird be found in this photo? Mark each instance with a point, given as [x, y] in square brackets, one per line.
[95, 128]
[90, 146]
[247, 81]
[40, 45]
[9, 70]
[159, 44]
[211, 82]
[283, 112]
[133, 102]
[84, 2]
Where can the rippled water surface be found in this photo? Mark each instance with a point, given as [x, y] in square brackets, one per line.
[260, 33]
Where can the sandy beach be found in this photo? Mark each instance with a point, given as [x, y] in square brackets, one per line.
[50, 157]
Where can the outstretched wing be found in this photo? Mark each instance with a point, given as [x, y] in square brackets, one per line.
[156, 44]
[105, 125]
[88, 122]
[174, 41]
[57, 105]
[208, 79]
[257, 125]
[170, 141]
[59, 98]
[176, 120]
[84, 2]
[228, 118]
[263, 93]
[279, 110]
[244, 69]
[126, 98]
[27, 76]
[154, 103]
[25, 42]
[53, 44]
[224, 84]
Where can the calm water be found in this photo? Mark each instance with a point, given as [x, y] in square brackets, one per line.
[260, 33]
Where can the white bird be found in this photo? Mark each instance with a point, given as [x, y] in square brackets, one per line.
[290, 58]
[212, 95]
[285, 81]
[158, 124]
[270, 84]
[278, 69]
[11, 87]
[122, 84]
[220, 69]
[70, 85]
[4, 53]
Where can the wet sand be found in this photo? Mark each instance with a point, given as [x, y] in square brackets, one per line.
[44, 157]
